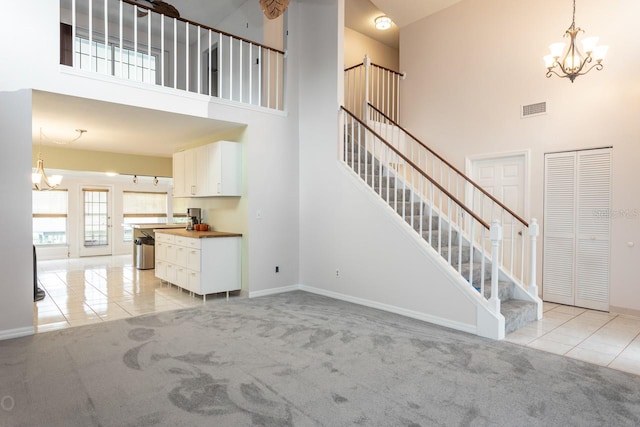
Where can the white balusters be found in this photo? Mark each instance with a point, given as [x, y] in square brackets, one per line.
[144, 47]
[534, 231]
[496, 238]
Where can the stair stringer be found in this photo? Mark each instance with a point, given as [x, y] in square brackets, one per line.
[488, 324]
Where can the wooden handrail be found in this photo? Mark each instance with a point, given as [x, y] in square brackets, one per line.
[375, 65]
[206, 27]
[420, 171]
[387, 69]
[354, 66]
[465, 177]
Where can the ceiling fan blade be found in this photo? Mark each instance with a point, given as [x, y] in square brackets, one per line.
[274, 8]
[165, 8]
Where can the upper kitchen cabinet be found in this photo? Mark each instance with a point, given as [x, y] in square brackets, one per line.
[225, 163]
[208, 171]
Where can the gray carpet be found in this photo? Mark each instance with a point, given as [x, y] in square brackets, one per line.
[297, 359]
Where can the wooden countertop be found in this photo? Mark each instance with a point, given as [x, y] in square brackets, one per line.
[157, 225]
[197, 234]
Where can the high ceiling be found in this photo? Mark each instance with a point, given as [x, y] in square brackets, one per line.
[124, 129]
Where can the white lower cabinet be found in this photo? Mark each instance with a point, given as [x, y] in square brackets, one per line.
[200, 265]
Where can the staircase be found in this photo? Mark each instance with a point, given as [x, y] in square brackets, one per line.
[437, 231]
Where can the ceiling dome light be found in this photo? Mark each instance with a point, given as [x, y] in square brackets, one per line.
[383, 22]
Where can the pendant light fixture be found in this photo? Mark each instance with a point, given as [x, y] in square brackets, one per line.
[573, 63]
[39, 176]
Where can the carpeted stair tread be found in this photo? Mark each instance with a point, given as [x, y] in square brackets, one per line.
[517, 313]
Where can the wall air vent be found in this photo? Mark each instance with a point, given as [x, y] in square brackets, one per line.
[533, 109]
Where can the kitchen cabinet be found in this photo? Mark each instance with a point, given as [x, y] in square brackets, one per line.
[199, 262]
[225, 159]
[208, 171]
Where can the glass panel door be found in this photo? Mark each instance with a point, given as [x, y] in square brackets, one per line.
[96, 225]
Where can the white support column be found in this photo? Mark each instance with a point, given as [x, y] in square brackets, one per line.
[534, 231]
[496, 238]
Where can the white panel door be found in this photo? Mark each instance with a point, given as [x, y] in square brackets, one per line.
[577, 228]
[559, 228]
[504, 178]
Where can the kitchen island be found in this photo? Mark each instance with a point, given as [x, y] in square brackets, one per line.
[201, 262]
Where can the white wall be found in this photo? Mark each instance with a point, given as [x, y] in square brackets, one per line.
[271, 156]
[16, 284]
[471, 67]
[342, 225]
[357, 45]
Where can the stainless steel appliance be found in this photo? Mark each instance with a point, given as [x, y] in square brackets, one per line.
[193, 217]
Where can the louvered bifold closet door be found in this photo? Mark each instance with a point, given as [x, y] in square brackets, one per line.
[593, 229]
[558, 278]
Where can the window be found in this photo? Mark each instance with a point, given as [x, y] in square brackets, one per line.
[142, 208]
[50, 217]
[110, 59]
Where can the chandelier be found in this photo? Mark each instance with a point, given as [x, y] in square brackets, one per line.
[39, 176]
[574, 63]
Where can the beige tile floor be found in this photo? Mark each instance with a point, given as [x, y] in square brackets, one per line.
[605, 339]
[89, 290]
[94, 289]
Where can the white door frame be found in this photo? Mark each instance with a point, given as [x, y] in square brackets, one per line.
[101, 250]
[526, 156]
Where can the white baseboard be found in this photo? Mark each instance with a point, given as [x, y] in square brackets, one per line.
[17, 333]
[393, 309]
[464, 327]
[273, 291]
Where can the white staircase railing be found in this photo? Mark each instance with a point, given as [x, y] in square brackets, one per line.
[127, 40]
[518, 259]
[372, 99]
[459, 234]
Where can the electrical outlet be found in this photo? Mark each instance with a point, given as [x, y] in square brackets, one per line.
[259, 214]
[277, 269]
[337, 273]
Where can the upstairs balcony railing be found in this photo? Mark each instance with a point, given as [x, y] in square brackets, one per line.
[369, 83]
[123, 39]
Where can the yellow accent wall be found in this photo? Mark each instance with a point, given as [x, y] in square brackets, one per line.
[100, 161]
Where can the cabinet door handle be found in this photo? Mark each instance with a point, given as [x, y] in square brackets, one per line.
[219, 188]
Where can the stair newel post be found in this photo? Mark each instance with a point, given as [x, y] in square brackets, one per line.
[534, 231]
[496, 237]
[367, 68]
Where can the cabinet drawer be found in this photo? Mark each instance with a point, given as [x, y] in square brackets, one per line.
[193, 282]
[166, 238]
[182, 241]
[170, 252]
[181, 277]
[181, 256]
[194, 243]
[161, 270]
[171, 274]
[161, 251]
[193, 259]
